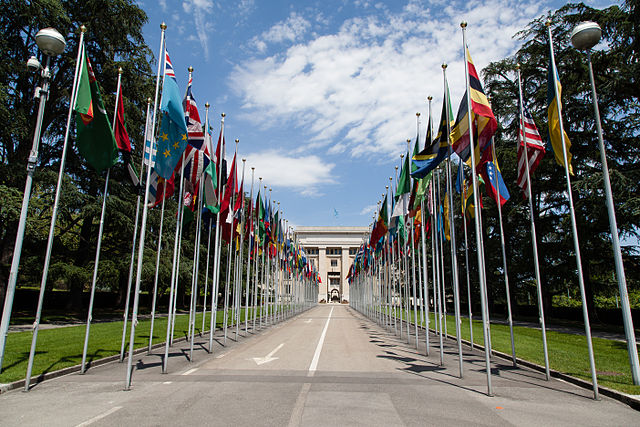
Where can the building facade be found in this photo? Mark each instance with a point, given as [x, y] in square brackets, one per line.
[332, 251]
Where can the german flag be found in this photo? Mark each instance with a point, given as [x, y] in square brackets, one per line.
[484, 122]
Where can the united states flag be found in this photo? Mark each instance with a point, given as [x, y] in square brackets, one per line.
[535, 149]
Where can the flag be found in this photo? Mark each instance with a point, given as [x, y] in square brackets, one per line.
[159, 188]
[460, 177]
[403, 190]
[149, 147]
[172, 138]
[123, 142]
[447, 226]
[437, 150]
[210, 186]
[484, 122]
[493, 181]
[94, 135]
[195, 163]
[381, 227]
[221, 162]
[467, 200]
[535, 149]
[554, 110]
[195, 134]
[260, 218]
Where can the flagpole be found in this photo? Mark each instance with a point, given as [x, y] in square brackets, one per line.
[134, 315]
[232, 197]
[466, 258]
[54, 215]
[248, 293]
[239, 294]
[534, 239]
[452, 232]
[574, 226]
[217, 244]
[256, 241]
[206, 274]
[442, 284]
[196, 268]
[155, 281]
[424, 250]
[83, 367]
[483, 301]
[435, 253]
[135, 233]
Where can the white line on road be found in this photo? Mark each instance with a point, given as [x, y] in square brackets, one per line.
[316, 356]
[99, 417]
[190, 371]
[221, 356]
[167, 382]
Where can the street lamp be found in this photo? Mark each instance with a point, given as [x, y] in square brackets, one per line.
[51, 43]
[583, 37]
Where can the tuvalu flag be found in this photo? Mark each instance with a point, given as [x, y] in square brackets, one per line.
[554, 111]
[94, 135]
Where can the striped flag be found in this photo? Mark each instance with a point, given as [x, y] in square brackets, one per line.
[149, 148]
[159, 188]
[535, 149]
[195, 162]
[195, 133]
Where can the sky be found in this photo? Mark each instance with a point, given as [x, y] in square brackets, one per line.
[323, 95]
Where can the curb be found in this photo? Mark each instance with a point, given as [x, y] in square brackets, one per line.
[628, 399]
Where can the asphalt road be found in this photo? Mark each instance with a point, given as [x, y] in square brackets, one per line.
[329, 366]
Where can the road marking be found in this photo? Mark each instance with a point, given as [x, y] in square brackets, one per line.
[298, 408]
[307, 321]
[316, 356]
[221, 356]
[99, 417]
[268, 358]
[167, 382]
[190, 371]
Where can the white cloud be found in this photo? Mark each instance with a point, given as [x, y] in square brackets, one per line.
[200, 9]
[289, 30]
[369, 210]
[357, 90]
[303, 174]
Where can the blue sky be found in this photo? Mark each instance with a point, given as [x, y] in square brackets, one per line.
[323, 94]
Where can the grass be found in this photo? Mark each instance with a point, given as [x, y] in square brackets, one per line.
[59, 348]
[567, 352]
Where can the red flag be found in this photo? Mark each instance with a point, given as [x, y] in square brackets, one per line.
[120, 131]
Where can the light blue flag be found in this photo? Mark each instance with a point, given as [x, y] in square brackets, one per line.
[172, 139]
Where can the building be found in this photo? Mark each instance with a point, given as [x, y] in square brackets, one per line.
[332, 251]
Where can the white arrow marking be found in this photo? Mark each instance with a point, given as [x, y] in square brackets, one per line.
[307, 321]
[268, 358]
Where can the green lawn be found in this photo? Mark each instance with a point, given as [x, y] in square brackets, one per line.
[567, 352]
[62, 347]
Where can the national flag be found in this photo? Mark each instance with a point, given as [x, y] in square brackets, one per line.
[381, 227]
[172, 138]
[210, 186]
[94, 135]
[149, 147]
[494, 182]
[221, 162]
[437, 150]
[159, 188]
[260, 218]
[535, 149]
[403, 190]
[483, 120]
[460, 177]
[447, 226]
[195, 163]
[123, 141]
[195, 134]
[554, 111]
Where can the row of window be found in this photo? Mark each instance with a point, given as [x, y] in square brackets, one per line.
[330, 251]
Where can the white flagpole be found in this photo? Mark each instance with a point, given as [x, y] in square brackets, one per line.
[424, 251]
[574, 226]
[155, 281]
[239, 293]
[246, 303]
[452, 231]
[229, 248]
[83, 366]
[206, 275]
[134, 315]
[534, 239]
[54, 216]
[196, 267]
[483, 301]
[217, 244]
[466, 261]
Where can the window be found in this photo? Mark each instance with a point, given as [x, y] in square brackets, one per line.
[334, 263]
[353, 251]
[334, 251]
[311, 251]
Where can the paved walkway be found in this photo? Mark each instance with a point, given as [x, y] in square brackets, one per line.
[328, 366]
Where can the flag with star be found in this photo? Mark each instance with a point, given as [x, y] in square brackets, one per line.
[172, 138]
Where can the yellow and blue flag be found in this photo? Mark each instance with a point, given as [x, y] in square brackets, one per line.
[172, 139]
[554, 108]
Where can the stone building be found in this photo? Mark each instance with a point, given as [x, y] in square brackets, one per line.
[332, 251]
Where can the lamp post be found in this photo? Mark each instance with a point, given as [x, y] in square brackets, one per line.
[583, 37]
[51, 43]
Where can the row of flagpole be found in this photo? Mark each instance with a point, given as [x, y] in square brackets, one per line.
[284, 282]
[381, 273]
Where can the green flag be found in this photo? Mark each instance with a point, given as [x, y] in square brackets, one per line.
[404, 182]
[94, 135]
